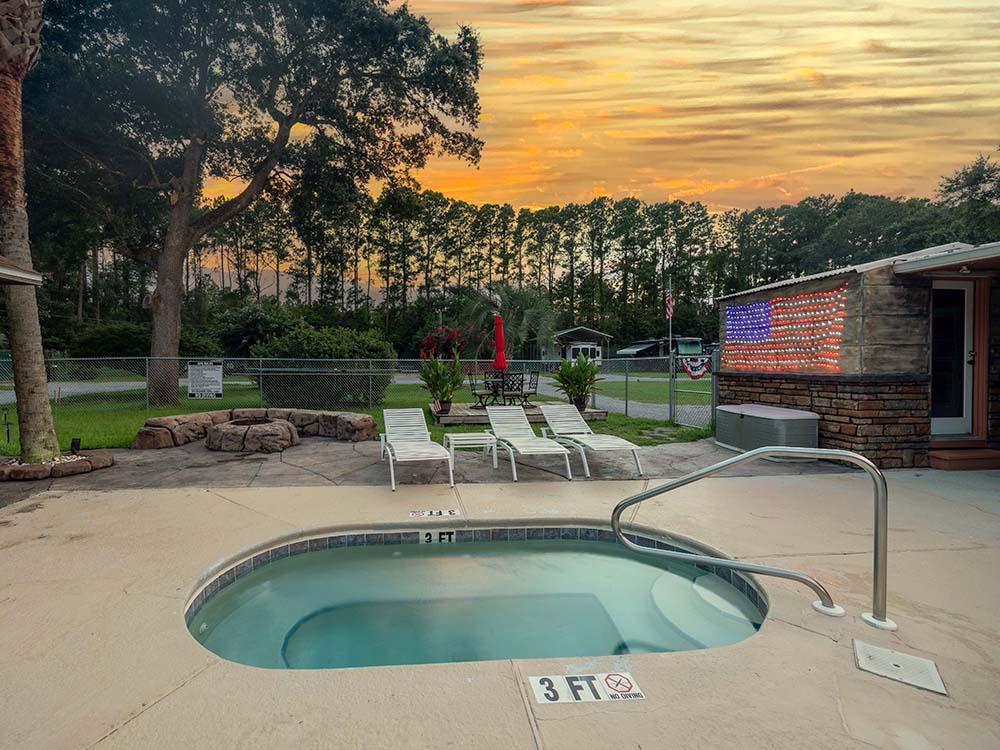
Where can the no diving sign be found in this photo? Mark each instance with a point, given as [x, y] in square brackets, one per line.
[586, 688]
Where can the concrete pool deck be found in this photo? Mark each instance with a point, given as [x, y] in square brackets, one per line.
[319, 462]
[96, 654]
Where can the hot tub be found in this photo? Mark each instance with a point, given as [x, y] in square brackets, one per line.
[380, 598]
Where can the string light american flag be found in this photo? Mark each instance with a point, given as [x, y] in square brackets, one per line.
[801, 332]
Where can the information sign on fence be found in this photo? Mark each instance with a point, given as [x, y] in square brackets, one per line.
[205, 379]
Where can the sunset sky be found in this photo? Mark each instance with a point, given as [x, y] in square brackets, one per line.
[735, 104]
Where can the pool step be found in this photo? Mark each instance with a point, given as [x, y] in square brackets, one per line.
[965, 459]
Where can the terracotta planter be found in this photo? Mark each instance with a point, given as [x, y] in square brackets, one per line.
[444, 407]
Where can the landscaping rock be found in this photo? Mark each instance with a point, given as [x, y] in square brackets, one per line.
[191, 427]
[30, 471]
[303, 418]
[5, 470]
[223, 415]
[249, 413]
[355, 427]
[186, 428]
[69, 468]
[293, 434]
[226, 437]
[100, 459]
[153, 437]
[270, 437]
[328, 424]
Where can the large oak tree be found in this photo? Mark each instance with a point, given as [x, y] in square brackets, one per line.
[161, 95]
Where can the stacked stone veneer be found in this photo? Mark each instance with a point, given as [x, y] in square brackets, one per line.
[883, 417]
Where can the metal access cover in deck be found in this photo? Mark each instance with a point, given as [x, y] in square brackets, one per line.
[913, 670]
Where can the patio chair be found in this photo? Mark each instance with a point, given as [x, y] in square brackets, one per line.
[513, 388]
[509, 424]
[406, 438]
[482, 389]
[570, 428]
[531, 389]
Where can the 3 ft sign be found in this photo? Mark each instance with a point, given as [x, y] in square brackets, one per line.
[437, 537]
[586, 688]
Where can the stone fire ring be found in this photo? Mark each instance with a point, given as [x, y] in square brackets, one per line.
[252, 435]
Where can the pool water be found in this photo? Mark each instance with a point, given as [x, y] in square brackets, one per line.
[418, 604]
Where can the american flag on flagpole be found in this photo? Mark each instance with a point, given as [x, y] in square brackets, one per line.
[668, 305]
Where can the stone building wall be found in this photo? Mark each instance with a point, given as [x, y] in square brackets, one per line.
[878, 403]
[993, 387]
[883, 417]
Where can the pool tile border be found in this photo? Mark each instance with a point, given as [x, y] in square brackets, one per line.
[494, 534]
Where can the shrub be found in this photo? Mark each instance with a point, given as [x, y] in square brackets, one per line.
[198, 343]
[242, 328]
[303, 342]
[110, 339]
[292, 376]
[442, 341]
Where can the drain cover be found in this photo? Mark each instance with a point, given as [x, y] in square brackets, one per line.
[913, 670]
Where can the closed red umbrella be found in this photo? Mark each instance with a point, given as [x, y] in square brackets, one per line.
[500, 357]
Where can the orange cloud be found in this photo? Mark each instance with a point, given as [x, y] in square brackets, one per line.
[737, 104]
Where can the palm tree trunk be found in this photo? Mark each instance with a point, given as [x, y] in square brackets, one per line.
[34, 414]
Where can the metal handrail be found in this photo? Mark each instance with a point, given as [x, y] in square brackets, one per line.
[877, 617]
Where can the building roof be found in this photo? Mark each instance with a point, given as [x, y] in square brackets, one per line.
[11, 273]
[563, 333]
[635, 348]
[951, 254]
[979, 257]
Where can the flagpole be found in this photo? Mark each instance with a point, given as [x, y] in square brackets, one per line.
[670, 335]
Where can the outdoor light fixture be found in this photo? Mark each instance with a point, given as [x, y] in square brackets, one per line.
[964, 269]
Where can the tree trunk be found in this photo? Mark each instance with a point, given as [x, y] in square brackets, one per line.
[31, 389]
[96, 286]
[164, 371]
[80, 288]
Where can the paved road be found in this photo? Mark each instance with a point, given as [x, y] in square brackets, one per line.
[692, 415]
[80, 388]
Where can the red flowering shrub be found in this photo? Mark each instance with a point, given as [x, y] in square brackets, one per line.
[442, 342]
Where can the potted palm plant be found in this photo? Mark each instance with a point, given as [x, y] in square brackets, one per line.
[441, 378]
[577, 379]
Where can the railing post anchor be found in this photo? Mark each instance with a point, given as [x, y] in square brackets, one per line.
[885, 624]
[833, 611]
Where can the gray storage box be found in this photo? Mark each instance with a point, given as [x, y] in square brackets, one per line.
[744, 427]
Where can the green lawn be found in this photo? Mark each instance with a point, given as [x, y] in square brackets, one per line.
[110, 420]
[655, 391]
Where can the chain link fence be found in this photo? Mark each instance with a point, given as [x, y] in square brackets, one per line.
[106, 390]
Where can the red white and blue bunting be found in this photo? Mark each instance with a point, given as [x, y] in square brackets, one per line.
[696, 367]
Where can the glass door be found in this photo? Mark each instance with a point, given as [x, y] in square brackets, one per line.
[952, 358]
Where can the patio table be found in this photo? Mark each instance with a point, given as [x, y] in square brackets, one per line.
[483, 440]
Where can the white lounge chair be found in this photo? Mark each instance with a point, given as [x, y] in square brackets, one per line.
[570, 428]
[406, 438]
[509, 424]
